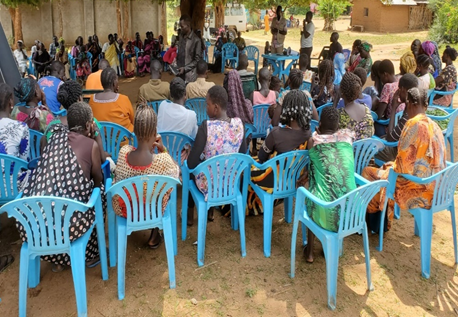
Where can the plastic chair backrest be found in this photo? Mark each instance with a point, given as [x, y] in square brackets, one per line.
[445, 187]
[199, 106]
[249, 85]
[60, 113]
[34, 139]
[313, 125]
[261, 120]
[11, 166]
[306, 86]
[252, 52]
[320, 109]
[176, 142]
[143, 197]
[230, 51]
[112, 136]
[364, 151]
[155, 104]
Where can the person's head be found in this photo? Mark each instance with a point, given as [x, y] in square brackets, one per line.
[145, 124]
[326, 73]
[62, 43]
[364, 49]
[267, 45]
[303, 62]
[243, 62]
[374, 71]
[79, 40]
[329, 120]
[115, 36]
[20, 45]
[334, 37]
[265, 76]
[69, 93]
[95, 38]
[36, 42]
[110, 38]
[296, 107]
[6, 98]
[295, 78]
[355, 47]
[279, 12]
[40, 46]
[449, 56]
[80, 118]
[57, 69]
[362, 75]
[415, 47]
[89, 39]
[350, 87]
[407, 63]
[137, 35]
[216, 102]
[103, 63]
[417, 101]
[423, 62]
[406, 82]
[309, 17]
[27, 90]
[275, 84]
[156, 69]
[386, 71]
[178, 91]
[54, 39]
[185, 24]
[427, 47]
[202, 68]
[267, 11]
[109, 79]
[239, 34]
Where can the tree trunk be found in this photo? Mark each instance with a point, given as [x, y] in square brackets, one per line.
[60, 33]
[196, 10]
[219, 7]
[118, 17]
[16, 17]
[125, 22]
[164, 22]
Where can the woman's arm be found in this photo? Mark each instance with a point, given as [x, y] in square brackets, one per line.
[96, 169]
[267, 148]
[198, 146]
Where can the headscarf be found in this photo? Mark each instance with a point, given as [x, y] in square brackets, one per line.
[25, 90]
[238, 106]
[366, 46]
[339, 67]
[428, 47]
[408, 63]
[436, 60]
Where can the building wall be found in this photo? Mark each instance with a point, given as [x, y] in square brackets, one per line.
[82, 17]
[395, 19]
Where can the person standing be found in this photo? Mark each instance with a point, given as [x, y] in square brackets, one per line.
[266, 23]
[53, 46]
[307, 37]
[279, 31]
[110, 52]
[189, 51]
[20, 54]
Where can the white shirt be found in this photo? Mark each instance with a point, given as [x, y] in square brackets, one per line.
[21, 61]
[308, 42]
[176, 118]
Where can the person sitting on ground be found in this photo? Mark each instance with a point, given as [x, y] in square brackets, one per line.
[20, 54]
[173, 116]
[390, 85]
[421, 153]
[364, 59]
[323, 93]
[335, 46]
[354, 116]
[50, 85]
[240, 42]
[237, 105]
[94, 81]
[354, 54]
[446, 81]
[37, 117]
[111, 106]
[264, 96]
[363, 98]
[213, 139]
[328, 147]
[425, 78]
[200, 87]
[339, 68]
[407, 64]
[394, 130]
[155, 89]
[41, 59]
[142, 161]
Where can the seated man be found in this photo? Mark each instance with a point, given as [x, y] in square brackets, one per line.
[173, 116]
[240, 42]
[242, 68]
[93, 81]
[50, 85]
[155, 89]
[200, 87]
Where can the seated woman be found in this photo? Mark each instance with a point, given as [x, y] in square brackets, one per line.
[264, 96]
[354, 54]
[237, 105]
[390, 86]
[144, 57]
[83, 68]
[221, 134]
[323, 93]
[74, 149]
[446, 81]
[293, 134]
[329, 147]
[430, 49]
[142, 161]
[364, 60]
[425, 78]
[421, 153]
[171, 54]
[354, 116]
[130, 60]
[407, 64]
[28, 110]
[363, 98]
[111, 106]
[14, 135]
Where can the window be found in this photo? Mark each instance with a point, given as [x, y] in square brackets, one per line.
[366, 12]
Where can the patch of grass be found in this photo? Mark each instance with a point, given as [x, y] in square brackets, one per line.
[251, 292]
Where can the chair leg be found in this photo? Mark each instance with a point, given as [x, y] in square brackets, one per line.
[267, 205]
[77, 257]
[111, 218]
[452, 214]
[169, 249]
[293, 246]
[288, 202]
[122, 245]
[452, 149]
[234, 218]
[304, 235]
[100, 227]
[23, 277]
[397, 211]
[331, 253]
[34, 272]
[241, 216]
[424, 221]
[367, 254]
[201, 233]
[184, 210]
[382, 228]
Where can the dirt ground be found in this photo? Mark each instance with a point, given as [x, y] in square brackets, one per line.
[230, 285]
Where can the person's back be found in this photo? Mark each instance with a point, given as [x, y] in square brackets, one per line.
[50, 85]
[155, 89]
[200, 87]
[94, 81]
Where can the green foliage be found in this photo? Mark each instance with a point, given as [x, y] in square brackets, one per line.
[332, 9]
[445, 25]
[15, 3]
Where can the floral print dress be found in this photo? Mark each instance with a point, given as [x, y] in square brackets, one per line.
[14, 138]
[364, 129]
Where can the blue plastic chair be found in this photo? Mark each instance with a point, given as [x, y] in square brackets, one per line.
[106, 171]
[313, 125]
[112, 136]
[52, 239]
[89, 57]
[31, 68]
[379, 162]
[155, 104]
[306, 86]
[364, 151]
[34, 139]
[352, 220]
[60, 113]
[448, 133]
[176, 142]
[249, 129]
[11, 166]
[72, 70]
[223, 189]
[252, 52]
[199, 106]
[286, 170]
[442, 93]
[261, 121]
[386, 121]
[320, 109]
[230, 53]
[443, 199]
[142, 216]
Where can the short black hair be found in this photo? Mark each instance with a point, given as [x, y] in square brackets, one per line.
[108, 77]
[103, 63]
[243, 62]
[275, 83]
[56, 67]
[155, 66]
[408, 81]
[357, 43]
[295, 78]
[386, 66]
[78, 115]
[264, 74]
[177, 88]
[362, 74]
[69, 93]
[202, 67]
[6, 94]
[186, 18]
[423, 60]
[335, 34]
[329, 118]
[309, 13]
[450, 51]
[110, 35]
[218, 95]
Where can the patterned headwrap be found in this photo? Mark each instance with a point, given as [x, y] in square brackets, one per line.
[428, 47]
[238, 106]
[408, 63]
[25, 90]
[366, 46]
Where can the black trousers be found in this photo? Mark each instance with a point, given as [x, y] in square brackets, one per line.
[307, 51]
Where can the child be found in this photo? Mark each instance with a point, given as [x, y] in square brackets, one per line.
[425, 78]
[328, 147]
[265, 63]
[141, 161]
[265, 95]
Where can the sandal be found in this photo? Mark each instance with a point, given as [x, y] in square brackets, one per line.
[154, 246]
[5, 261]
[57, 268]
[210, 216]
[93, 263]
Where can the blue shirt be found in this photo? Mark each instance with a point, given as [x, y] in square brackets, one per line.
[367, 100]
[50, 85]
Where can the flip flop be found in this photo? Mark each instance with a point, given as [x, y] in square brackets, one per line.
[5, 261]
[93, 264]
[155, 246]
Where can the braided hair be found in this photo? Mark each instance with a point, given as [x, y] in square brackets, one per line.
[418, 96]
[69, 93]
[350, 86]
[450, 51]
[326, 75]
[145, 123]
[296, 107]
[6, 94]
[295, 78]
[78, 115]
[423, 60]
[108, 78]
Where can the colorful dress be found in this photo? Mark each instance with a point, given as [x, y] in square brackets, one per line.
[322, 96]
[83, 68]
[130, 61]
[38, 119]
[144, 58]
[331, 175]
[14, 138]
[364, 129]
[365, 63]
[386, 96]
[449, 84]
[421, 153]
